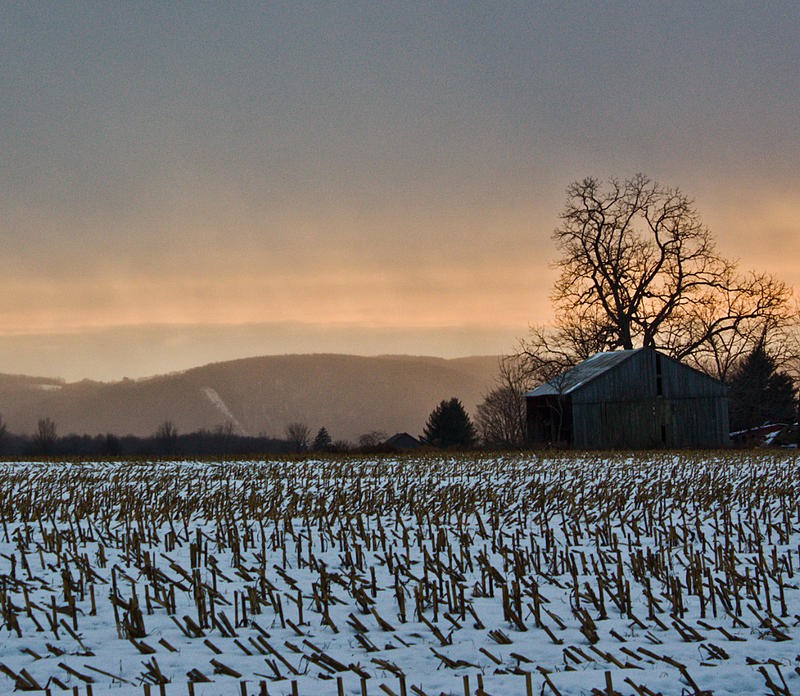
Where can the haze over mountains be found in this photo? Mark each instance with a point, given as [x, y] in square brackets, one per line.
[349, 395]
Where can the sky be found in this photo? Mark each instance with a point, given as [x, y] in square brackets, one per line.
[182, 183]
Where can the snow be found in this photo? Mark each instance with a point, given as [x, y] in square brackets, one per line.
[48, 387]
[479, 527]
[213, 396]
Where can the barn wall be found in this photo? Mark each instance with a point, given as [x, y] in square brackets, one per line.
[615, 410]
[681, 382]
[649, 401]
[615, 425]
[698, 407]
[698, 422]
[631, 380]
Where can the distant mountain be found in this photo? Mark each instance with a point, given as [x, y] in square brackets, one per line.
[349, 395]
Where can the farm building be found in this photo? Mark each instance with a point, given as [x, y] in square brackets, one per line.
[629, 399]
[403, 442]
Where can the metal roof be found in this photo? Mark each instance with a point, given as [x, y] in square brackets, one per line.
[582, 373]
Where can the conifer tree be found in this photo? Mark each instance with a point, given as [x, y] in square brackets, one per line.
[759, 393]
[449, 425]
[322, 442]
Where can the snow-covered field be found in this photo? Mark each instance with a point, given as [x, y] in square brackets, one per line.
[508, 575]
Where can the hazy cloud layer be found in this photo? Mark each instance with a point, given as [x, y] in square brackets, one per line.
[379, 166]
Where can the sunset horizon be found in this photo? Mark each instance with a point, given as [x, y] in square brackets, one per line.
[182, 185]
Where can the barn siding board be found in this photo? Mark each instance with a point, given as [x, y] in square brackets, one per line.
[631, 380]
[614, 425]
[633, 400]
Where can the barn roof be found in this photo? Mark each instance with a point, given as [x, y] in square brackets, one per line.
[583, 372]
[403, 441]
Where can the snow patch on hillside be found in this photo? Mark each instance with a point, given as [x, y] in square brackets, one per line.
[222, 407]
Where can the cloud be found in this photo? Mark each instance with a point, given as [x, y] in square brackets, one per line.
[141, 351]
[378, 165]
[369, 298]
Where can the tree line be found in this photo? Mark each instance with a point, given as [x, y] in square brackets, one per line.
[449, 426]
[165, 441]
[759, 393]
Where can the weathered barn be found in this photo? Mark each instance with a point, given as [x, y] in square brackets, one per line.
[629, 399]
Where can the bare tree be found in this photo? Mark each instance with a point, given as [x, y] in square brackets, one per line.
[225, 437]
[500, 417]
[549, 351]
[298, 435]
[44, 439]
[639, 268]
[166, 437]
[373, 438]
[341, 446]
[721, 354]
[226, 429]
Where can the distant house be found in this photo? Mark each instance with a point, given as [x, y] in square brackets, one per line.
[629, 399]
[403, 441]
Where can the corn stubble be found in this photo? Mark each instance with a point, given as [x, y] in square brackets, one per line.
[362, 570]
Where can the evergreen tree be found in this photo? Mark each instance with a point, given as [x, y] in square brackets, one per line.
[449, 425]
[759, 393]
[322, 442]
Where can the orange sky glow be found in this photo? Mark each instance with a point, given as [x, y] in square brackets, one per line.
[198, 183]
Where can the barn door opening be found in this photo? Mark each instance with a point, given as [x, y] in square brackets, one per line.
[659, 377]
